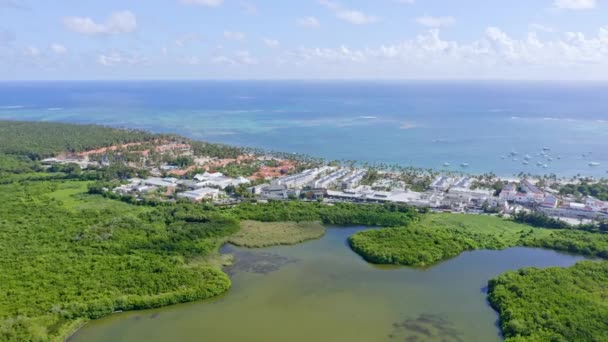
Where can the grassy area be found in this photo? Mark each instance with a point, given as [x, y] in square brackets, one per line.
[438, 237]
[263, 234]
[553, 304]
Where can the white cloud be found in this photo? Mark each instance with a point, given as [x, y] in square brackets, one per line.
[542, 28]
[430, 21]
[58, 49]
[116, 57]
[349, 15]
[310, 22]
[249, 8]
[496, 53]
[188, 38]
[356, 17]
[230, 35]
[271, 43]
[31, 51]
[117, 23]
[207, 3]
[240, 58]
[574, 4]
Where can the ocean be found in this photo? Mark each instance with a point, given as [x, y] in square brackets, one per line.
[424, 124]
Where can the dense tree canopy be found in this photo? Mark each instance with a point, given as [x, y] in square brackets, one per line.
[553, 304]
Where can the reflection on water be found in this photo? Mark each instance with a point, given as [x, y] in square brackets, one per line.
[254, 262]
[426, 327]
[322, 291]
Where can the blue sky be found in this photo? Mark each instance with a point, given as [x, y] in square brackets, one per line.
[303, 39]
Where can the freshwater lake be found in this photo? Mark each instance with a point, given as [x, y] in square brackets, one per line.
[322, 291]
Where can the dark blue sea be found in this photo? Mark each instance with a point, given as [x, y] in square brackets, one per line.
[421, 124]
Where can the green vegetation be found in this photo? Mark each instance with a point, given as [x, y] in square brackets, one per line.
[441, 236]
[263, 234]
[44, 139]
[553, 304]
[389, 215]
[67, 257]
[598, 190]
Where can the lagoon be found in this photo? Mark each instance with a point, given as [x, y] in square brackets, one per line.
[321, 290]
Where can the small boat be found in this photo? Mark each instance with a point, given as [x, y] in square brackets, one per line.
[527, 157]
[550, 159]
[546, 149]
[503, 157]
[559, 157]
[446, 164]
[514, 159]
[545, 166]
[593, 164]
[512, 153]
[464, 165]
[525, 163]
[539, 163]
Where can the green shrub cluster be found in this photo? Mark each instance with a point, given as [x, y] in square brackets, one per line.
[553, 304]
[66, 259]
[437, 237]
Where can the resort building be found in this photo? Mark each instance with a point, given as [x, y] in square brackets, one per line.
[441, 183]
[354, 179]
[200, 194]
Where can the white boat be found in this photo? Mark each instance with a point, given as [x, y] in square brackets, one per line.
[550, 159]
[546, 149]
[464, 165]
[593, 164]
[525, 163]
[527, 157]
[446, 164]
[514, 159]
[539, 163]
[545, 166]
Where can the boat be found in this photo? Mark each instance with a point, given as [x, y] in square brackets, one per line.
[514, 159]
[550, 159]
[525, 163]
[539, 163]
[593, 164]
[464, 165]
[527, 157]
[546, 149]
[545, 166]
[446, 164]
[512, 153]
[559, 157]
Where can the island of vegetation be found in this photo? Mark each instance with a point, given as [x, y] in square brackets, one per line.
[437, 237]
[553, 304]
[263, 234]
[72, 251]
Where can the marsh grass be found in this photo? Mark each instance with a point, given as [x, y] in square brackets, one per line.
[255, 234]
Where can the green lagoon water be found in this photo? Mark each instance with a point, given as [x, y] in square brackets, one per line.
[322, 291]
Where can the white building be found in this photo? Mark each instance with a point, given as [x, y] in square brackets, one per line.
[200, 194]
[161, 182]
[217, 179]
[329, 180]
[441, 183]
[300, 179]
[354, 179]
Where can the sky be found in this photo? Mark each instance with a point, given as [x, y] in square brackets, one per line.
[304, 39]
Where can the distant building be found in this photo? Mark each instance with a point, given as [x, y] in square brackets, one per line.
[441, 183]
[217, 179]
[200, 194]
[354, 179]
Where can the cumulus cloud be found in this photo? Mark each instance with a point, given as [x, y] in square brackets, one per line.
[116, 57]
[58, 49]
[31, 51]
[240, 58]
[310, 22]
[230, 35]
[206, 3]
[271, 43]
[574, 4]
[494, 53]
[430, 21]
[117, 23]
[187, 39]
[352, 16]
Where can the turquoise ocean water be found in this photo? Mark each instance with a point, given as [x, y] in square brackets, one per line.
[422, 124]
